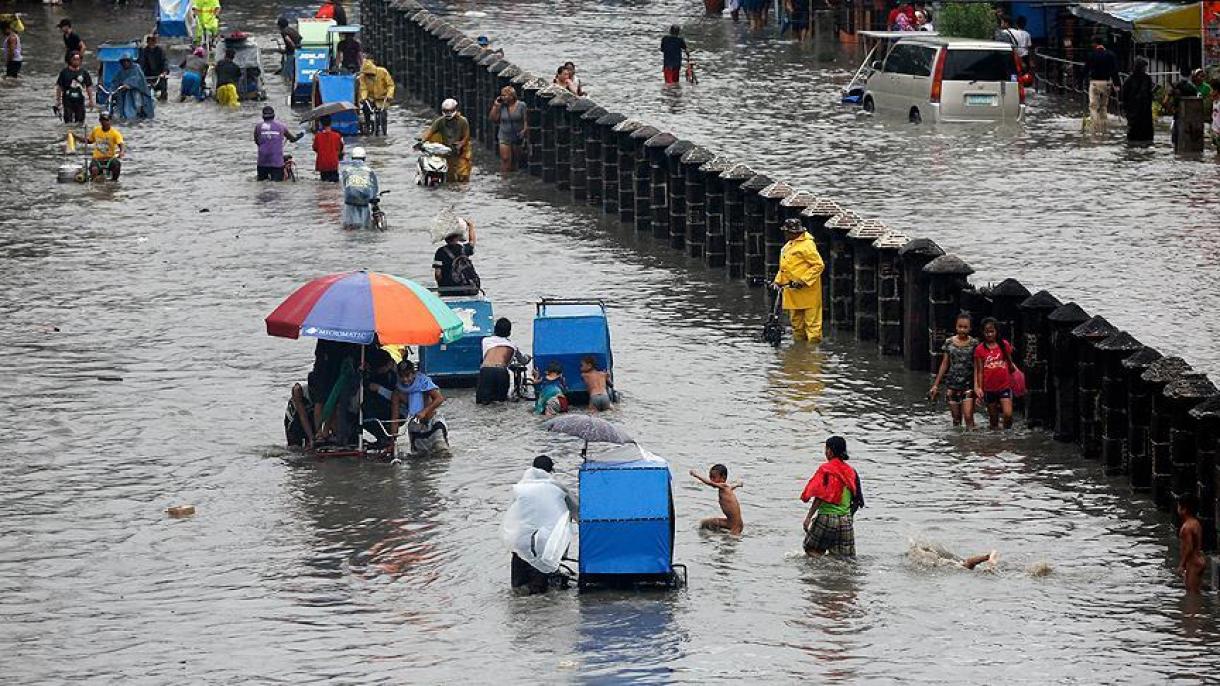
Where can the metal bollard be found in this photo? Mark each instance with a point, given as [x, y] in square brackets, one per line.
[889, 292]
[641, 176]
[1112, 403]
[696, 212]
[1184, 394]
[1063, 369]
[864, 283]
[842, 270]
[713, 243]
[1160, 426]
[1136, 458]
[735, 218]
[1088, 382]
[675, 182]
[658, 183]
[946, 281]
[1207, 441]
[607, 126]
[592, 135]
[753, 264]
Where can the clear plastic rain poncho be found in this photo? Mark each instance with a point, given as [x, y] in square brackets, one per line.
[537, 525]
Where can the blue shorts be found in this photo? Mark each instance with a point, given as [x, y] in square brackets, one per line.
[992, 397]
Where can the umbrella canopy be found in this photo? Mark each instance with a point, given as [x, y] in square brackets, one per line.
[358, 307]
[589, 428]
[329, 109]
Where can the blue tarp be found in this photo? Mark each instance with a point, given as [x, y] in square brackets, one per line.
[337, 88]
[566, 333]
[172, 18]
[109, 54]
[462, 358]
[625, 520]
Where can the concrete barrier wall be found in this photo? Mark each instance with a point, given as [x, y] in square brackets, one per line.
[1143, 415]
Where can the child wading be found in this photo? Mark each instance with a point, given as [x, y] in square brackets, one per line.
[957, 372]
[1190, 537]
[993, 369]
[836, 494]
[718, 478]
[597, 382]
[552, 392]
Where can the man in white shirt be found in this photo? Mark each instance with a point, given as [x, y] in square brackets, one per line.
[498, 352]
[1024, 42]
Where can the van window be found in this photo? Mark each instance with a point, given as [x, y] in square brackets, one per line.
[923, 60]
[901, 59]
[979, 65]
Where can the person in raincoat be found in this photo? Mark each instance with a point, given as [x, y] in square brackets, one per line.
[132, 96]
[360, 188]
[207, 20]
[375, 89]
[537, 527]
[451, 129]
[800, 276]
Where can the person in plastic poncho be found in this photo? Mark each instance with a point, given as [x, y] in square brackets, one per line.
[452, 130]
[135, 100]
[800, 269]
[360, 188]
[536, 527]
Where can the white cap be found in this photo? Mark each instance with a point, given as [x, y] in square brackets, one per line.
[449, 104]
[357, 153]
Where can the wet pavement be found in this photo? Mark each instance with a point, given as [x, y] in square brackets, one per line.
[342, 572]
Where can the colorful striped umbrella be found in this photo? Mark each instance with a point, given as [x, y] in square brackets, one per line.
[356, 307]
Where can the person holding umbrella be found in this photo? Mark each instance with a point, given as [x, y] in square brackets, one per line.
[800, 280]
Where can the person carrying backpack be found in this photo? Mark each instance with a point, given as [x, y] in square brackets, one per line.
[452, 267]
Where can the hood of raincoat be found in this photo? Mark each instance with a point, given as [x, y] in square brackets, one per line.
[537, 525]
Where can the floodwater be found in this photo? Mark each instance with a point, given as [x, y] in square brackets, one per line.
[137, 375]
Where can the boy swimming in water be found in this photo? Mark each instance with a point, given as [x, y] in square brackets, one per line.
[1191, 537]
[718, 478]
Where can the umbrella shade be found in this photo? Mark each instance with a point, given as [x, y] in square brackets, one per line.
[329, 109]
[358, 307]
[591, 429]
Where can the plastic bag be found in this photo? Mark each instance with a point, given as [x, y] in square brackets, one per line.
[536, 526]
[446, 223]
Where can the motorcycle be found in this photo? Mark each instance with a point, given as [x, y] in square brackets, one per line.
[432, 165]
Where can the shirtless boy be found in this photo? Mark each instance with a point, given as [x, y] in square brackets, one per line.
[597, 382]
[718, 478]
[1191, 536]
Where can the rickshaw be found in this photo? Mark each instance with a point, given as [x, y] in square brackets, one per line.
[333, 86]
[457, 364]
[566, 330]
[312, 57]
[109, 54]
[248, 56]
[173, 18]
[627, 521]
[879, 43]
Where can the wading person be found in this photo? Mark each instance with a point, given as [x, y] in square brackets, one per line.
[74, 91]
[416, 400]
[269, 136]
[108, 149]
[957, 372]
[227, 76]
[291, 39]
[498, 353]
[1190, 538]
[1137, 103]
[12, 51]
[453, 131]
[376, 91]
[194, 75]
[451, 265]
[350, 53]
[360, 188]
[328, 150]
[718, 478]
[993, 370]
[72, 41]
[207, 20]
[536, 528]
[673, 48]
[332, 10]
[1101, 69]
[508, 114]
[132, 97]
[155, 66]
[836, 494]
[800, 281]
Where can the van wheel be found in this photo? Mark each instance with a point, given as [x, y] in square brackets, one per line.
[914, 117]
[869, 105]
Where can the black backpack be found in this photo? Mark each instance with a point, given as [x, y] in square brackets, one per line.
[461, 269]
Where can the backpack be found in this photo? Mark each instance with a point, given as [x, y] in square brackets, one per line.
[462, 270]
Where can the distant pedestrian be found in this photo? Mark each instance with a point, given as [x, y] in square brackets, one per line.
[291, 39]
[1005, 34]
[1101, 71]
[1185, 88]
[957, 372]
[577, 87]
[1190, 537]
[72, 41]
[154, 64]
[798, 18]
[834, 495]
[734, 7]
[993, 374]
[332, 10]
[800, 277]
[508, 114]
[328, 150]
[673, 47]
[1024, 43]
[563, 79]
[1136, 97]
[12, 51]
[194, 75]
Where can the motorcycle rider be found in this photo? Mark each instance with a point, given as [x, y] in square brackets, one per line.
[376, 90]
[452, 130]
[360, 190]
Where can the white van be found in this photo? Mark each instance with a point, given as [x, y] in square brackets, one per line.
[935, 79]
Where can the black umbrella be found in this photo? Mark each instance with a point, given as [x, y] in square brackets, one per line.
[589, 428]
[328, 109]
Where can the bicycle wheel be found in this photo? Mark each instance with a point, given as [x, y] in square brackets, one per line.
[290, 172]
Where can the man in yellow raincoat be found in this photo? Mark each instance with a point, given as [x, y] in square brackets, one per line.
[800, 269]
[452, 129]
[376, 90]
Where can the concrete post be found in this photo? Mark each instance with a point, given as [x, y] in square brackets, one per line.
[467, 75]
[696, 211]
[1112, 403]
[592, 135]
[1035, 358]
[946, 280]
[714, 244]
[1136, 457]
[1063, 369]
[607, 126]
[538, 97]
[889, 292]
[842, 272]
[735, 218]
[578, 165]
[1207, 442]
[915, 255]
[864, 286]
[415, 32]
[754, 260]
[1185, 393]
[626, 169]
[658, 183]
[556, 140]
[1006, 298]
[1190, 125]
[1088, 382]
[642, 177]
[675, 182]
[1160, 424]
[773, 197]
[815, 217]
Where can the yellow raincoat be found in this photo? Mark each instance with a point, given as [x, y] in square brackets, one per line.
[449, 132]
[799, 261]
[375, 83]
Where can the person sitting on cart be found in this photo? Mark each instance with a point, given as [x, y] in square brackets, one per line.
[451, 265]
[108, 148]
[292, 40]
[350, 54]
[227, 76]
[194, 75]
[380, 378]
[416, 399]
[552, 391]
[155, 65]
[498, 353]
[452, 130]
[299, 427]
[376, 90]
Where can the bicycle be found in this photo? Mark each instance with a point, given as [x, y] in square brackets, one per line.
[375, 120]
[377, 216]
[523, 385]
[290, 167]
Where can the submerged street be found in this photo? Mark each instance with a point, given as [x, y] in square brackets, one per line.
[140, 376]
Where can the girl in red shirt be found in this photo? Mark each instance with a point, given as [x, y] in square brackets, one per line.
[993, 370]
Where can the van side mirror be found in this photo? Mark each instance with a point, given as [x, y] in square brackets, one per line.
[877, 65]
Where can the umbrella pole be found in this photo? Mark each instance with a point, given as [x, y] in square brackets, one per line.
[584, 452]
[360, 402]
